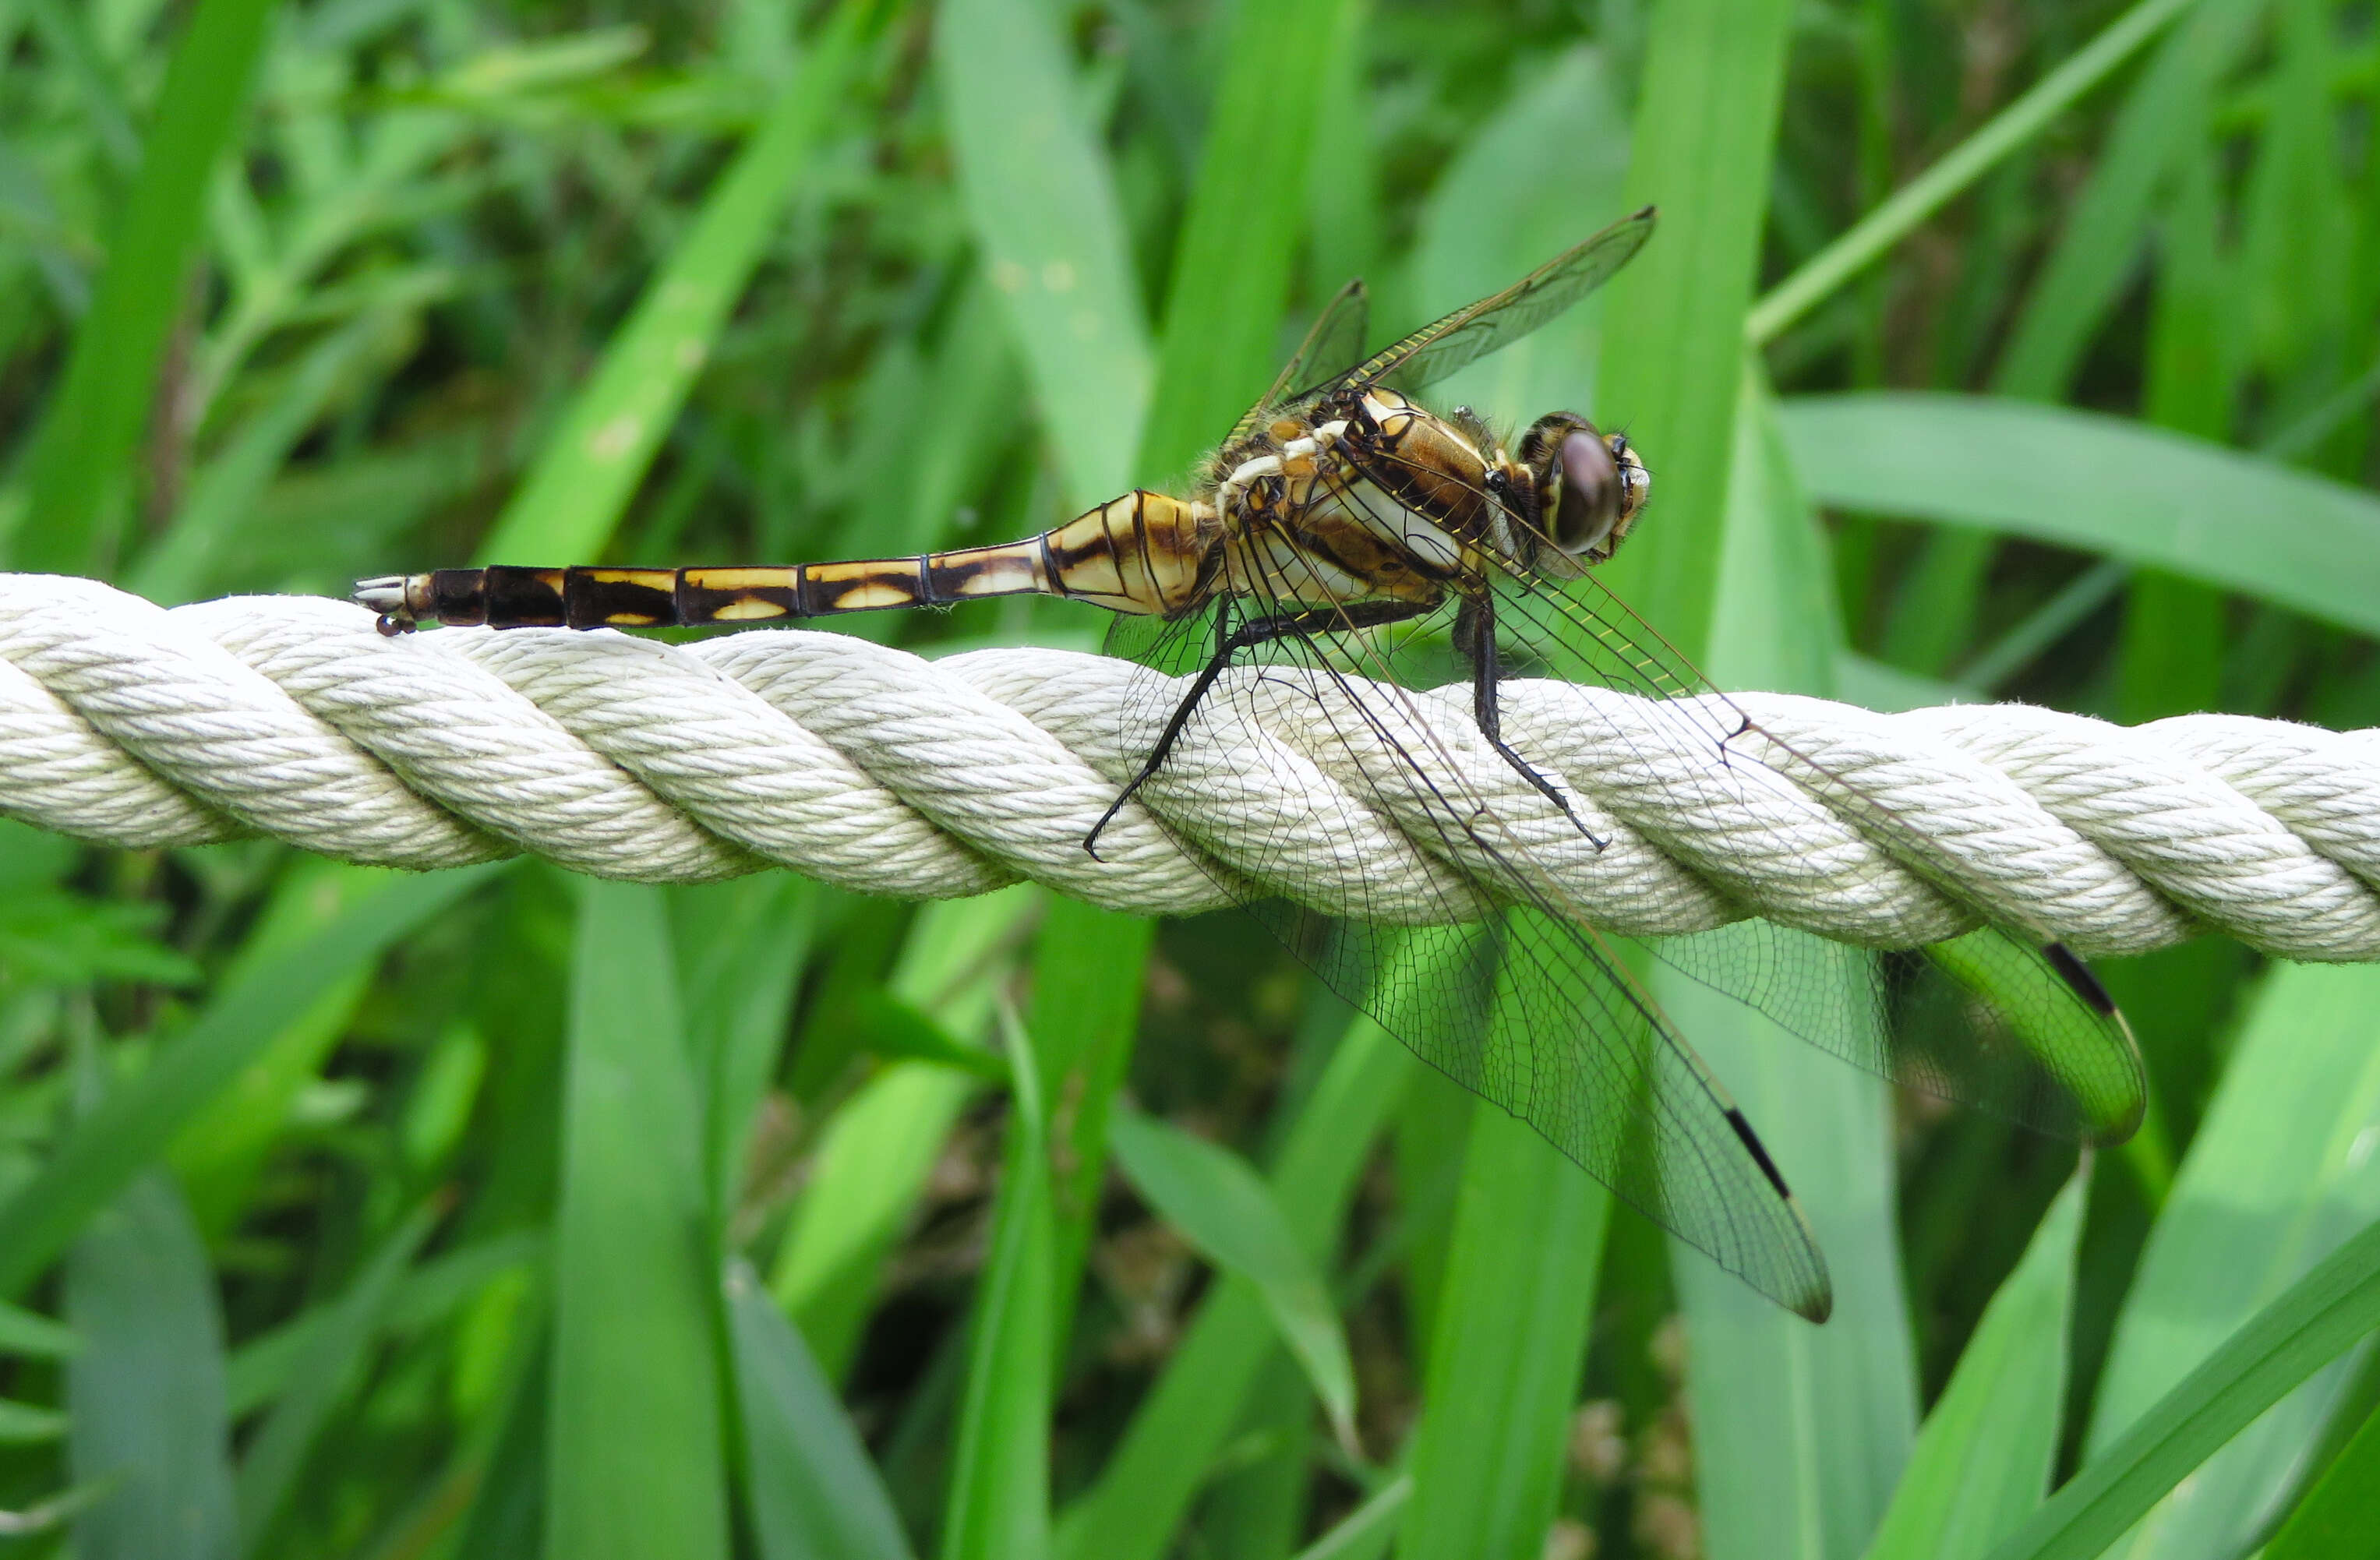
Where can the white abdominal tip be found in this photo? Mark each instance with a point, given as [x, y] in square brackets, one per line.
[386, 594]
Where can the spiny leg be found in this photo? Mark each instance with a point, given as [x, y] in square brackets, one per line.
[1248, 635]
[1474, 637]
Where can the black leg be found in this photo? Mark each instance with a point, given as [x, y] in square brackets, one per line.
[1474, 637]
[1248, 635]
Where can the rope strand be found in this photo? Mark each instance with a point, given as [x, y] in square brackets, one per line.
[128, 724]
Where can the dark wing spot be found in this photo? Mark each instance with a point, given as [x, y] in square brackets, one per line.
[1751, 1140]
[2079, 975]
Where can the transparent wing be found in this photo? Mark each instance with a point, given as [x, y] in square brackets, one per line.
[1472, 960]
[1990, 1015]
[1473, 332]
[1335, 340]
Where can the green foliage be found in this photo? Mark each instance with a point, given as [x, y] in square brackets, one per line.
[2014, 348]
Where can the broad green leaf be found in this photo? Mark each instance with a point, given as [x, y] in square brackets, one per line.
[810, 1491]
[86, 443]
[635, 1466]
[1216, 1202]
[1036, 188]
[1134, 1509]
[146, 1392]
[2315, 1320]
[131, 1125]
[1982, 1461]
[2103, 484]
[2282, 1169]
[334, 1353]
[1504, 1359]
[742, 946]
[1000, 1461]
[1673, 339]
[572, 499]
[1801, 1432]
[2340, 1518]
[1231, 269]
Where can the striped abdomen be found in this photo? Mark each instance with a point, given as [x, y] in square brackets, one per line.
[1144, 552]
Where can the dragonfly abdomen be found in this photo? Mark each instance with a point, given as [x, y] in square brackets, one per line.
[1142, 552]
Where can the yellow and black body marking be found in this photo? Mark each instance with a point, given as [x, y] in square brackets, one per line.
[1145, 552]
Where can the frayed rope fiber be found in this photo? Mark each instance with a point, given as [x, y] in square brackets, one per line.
[128, 724]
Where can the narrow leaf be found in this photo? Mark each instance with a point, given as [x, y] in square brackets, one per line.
[1982, 1463]
[1000, 1475]
[635, 1466]
[147, 1391]
[1217, 1202]
[810, 1490]
[2319, 1318]
[2103, 484]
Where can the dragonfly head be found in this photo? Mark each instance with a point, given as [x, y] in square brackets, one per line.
[1589, 486]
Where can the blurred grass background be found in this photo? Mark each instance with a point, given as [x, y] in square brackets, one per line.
[1989, 348]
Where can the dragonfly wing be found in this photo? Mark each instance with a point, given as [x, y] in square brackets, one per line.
[1465, 961]
[1990, 1015]
[1332, 342]
[1473, 332]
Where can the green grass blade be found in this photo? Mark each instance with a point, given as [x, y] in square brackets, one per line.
[128, 1129]
[1086, 981]
[2281, 1169]
[634, 1461]
[1982, 1461]
[1138, 1501]
[2100, 248]
[1230, 274]
[146, 1392]
[572, 499]
[29, 1334]
[2314, 1320]
[322, 1375]
[1220, 1206]
[1673, 344]
[742, 945]
[1819, 278]
[88, 439]
[1364, 1531]
[1000, 1463]
[218, 1155]
[2340, 1518]
[1037, 191]
[810, 1489]
[875, 1154]
[1801, 1432]
[22, 1424]
[2101, 484]
[1504, 1359]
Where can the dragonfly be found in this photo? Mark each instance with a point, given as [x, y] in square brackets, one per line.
[1350, 563]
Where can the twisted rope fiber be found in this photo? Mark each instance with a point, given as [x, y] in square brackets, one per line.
[128, 724]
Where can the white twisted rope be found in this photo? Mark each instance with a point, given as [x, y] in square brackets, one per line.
[125, 723]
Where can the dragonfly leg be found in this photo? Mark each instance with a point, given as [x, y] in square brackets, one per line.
[1248, 635]
[1475, 636]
